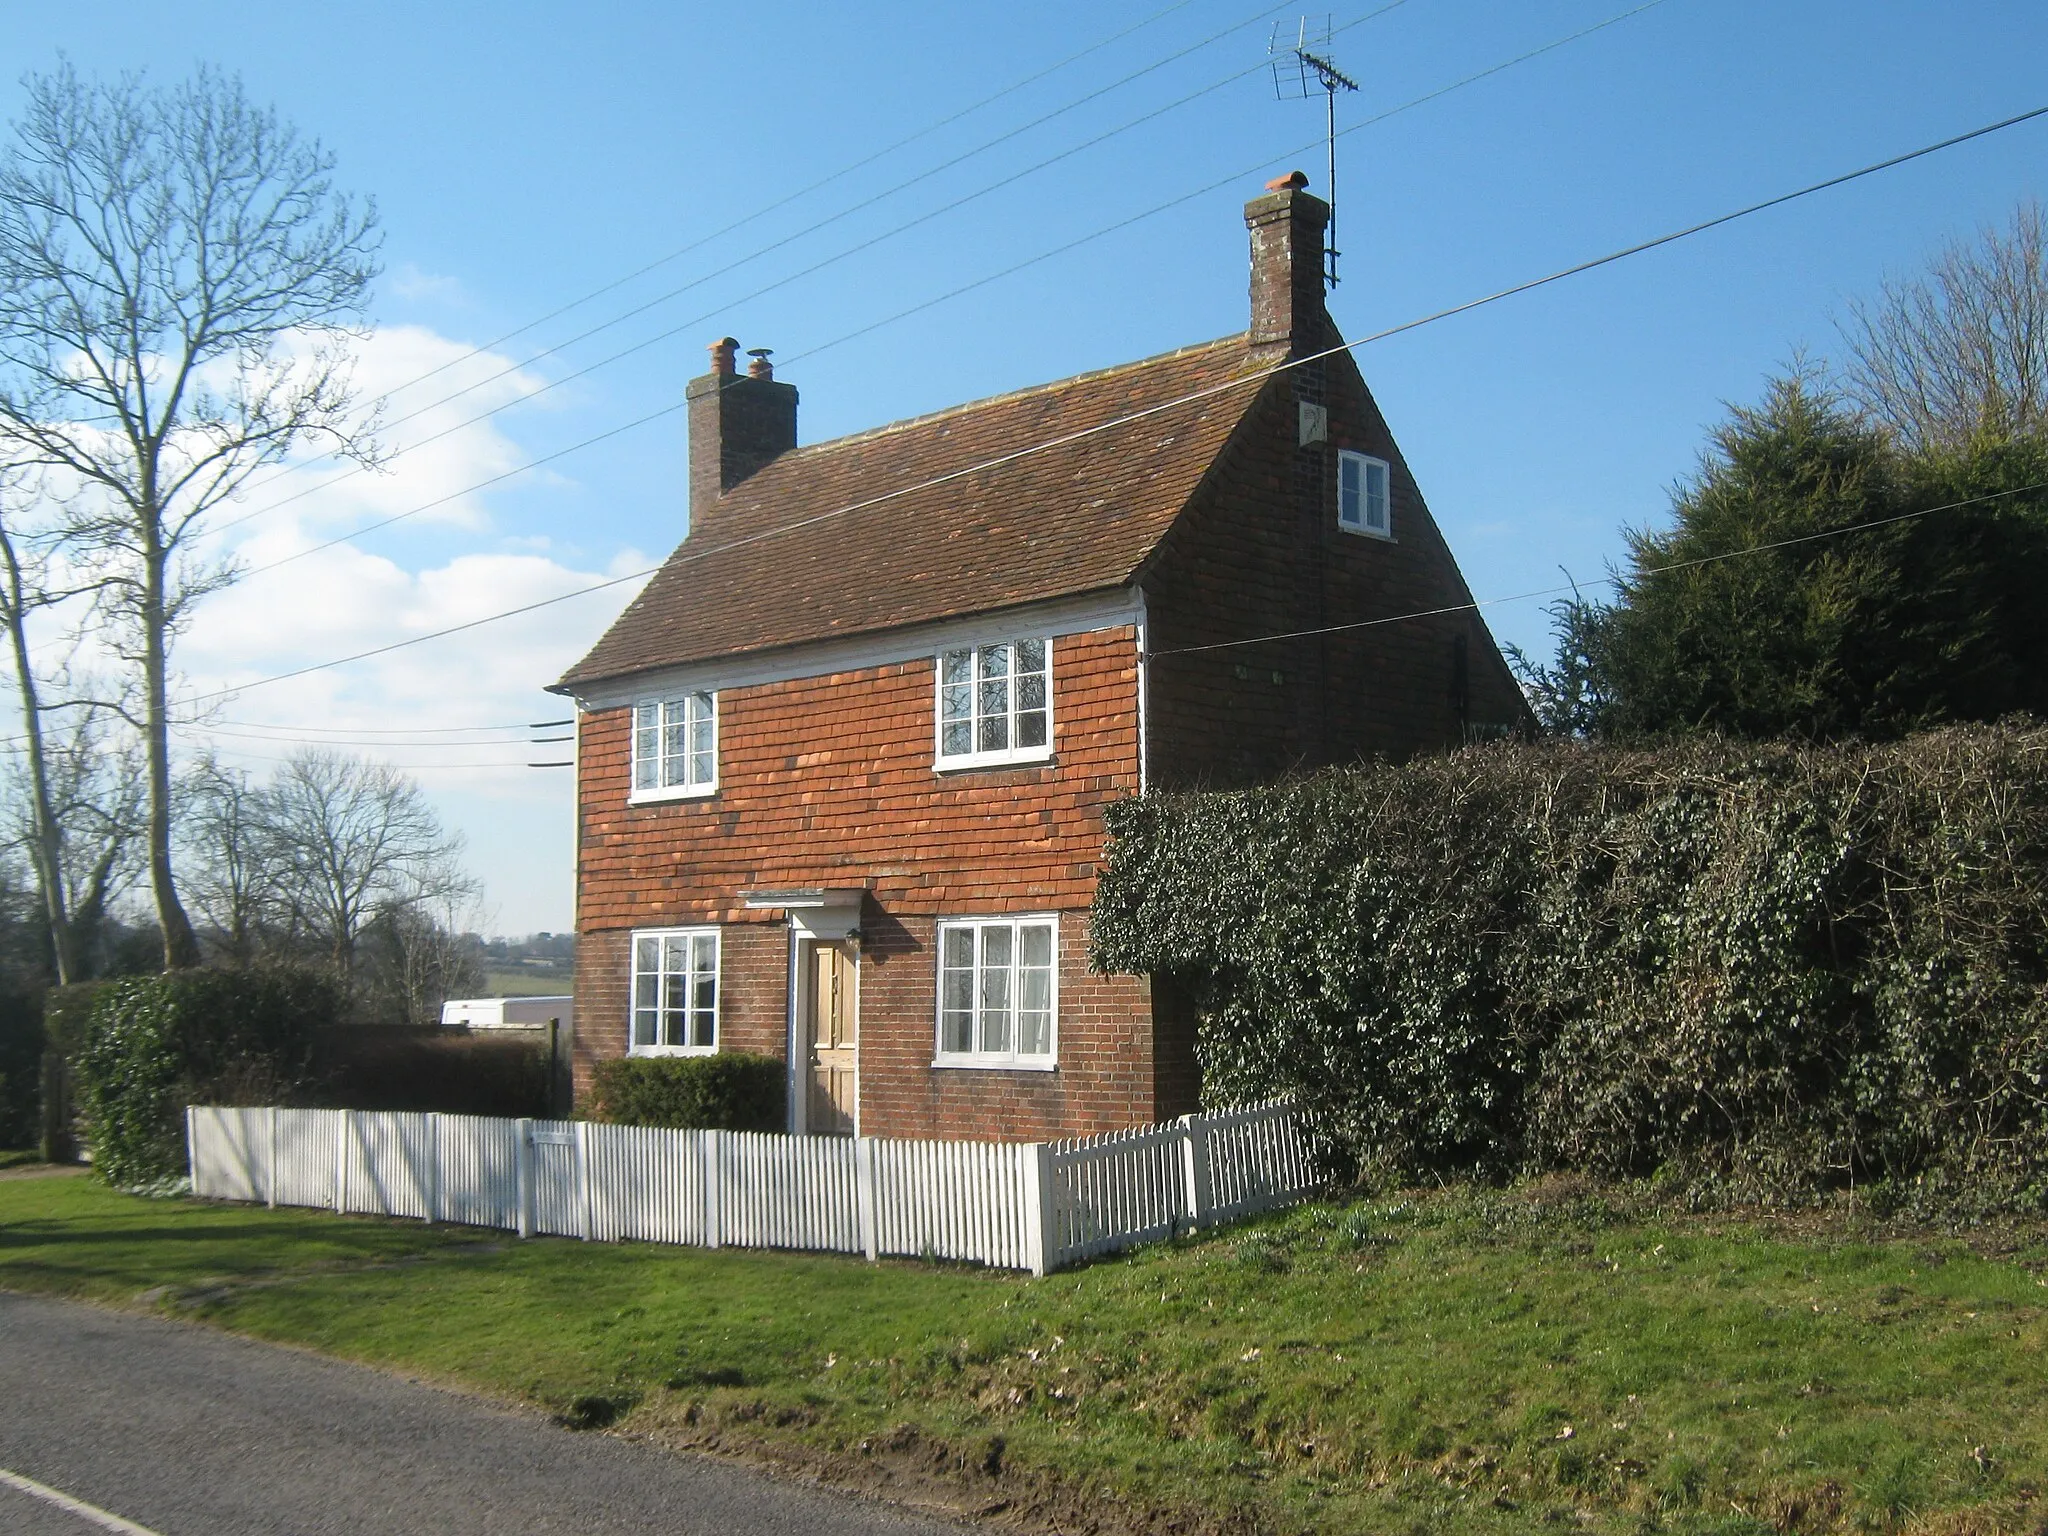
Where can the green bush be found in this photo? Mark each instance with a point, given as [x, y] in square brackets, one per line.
[450, 1072]
[1771, 969]
[732, 1091]
[153, 1044]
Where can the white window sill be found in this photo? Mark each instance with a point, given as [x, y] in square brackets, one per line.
[1367, 533]
[673, 792]
[995, 1064]
[671, 1050]
[1025, 755]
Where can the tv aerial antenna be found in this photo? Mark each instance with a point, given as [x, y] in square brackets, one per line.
[1301, 68]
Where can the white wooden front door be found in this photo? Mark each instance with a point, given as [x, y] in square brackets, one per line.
[829, 1020]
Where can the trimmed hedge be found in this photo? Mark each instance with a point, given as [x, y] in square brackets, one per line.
[1768, 971]
[21, 1069]
[490, 1072]
[732, 1091]
[153, 1044]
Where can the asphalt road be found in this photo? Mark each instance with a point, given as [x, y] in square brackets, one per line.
[187, 1432]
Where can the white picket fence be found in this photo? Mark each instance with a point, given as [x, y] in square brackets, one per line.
[1035, 1206]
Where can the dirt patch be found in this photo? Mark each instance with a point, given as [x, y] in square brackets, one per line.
[45, 1171]
[905, 1466]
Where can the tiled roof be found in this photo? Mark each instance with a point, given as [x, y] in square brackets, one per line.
[779, 561]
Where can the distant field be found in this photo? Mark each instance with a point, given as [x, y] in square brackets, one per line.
[1453, 1363]
[527, 984]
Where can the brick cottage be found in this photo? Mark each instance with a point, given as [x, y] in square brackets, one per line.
[842, 764]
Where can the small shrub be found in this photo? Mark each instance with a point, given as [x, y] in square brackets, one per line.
[732, 1091]
[153, 1044]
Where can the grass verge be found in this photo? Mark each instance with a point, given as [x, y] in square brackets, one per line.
[1469, 1361]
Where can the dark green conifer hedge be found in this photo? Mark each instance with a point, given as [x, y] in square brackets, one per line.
[1766, 970]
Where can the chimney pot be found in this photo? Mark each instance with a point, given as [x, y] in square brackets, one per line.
[722, 353]
[760, 367]
[1293, 181]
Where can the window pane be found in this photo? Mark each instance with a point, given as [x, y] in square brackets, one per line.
[675, 954]
[957, 1029]
[997, 949]
[700, 768]
[957, 945]
[672, 1025]
[705, 951]
[1031, 691]
[956, 701]
[701, 1028]
[1035, 943]
[994, 735]
[1031, 729]
[1030, 655]
[700, 734]
[647, 990]
[957, 666]
[957, 739]
[643, 1026]
[995, 660]
[647, 954]
[1034, 1032]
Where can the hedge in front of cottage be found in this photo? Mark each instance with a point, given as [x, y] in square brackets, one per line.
[1767, 970]
[153, 1044]
[731, 1091]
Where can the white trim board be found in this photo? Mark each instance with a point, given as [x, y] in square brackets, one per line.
[854, 653]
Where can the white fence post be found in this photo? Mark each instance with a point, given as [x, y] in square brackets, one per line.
[1041, 1233]
[433, 1200]
[714, 1226]
[341, 1129]
[191, 1151]
[1194, 1148]
[270, 1162]
[583, 1179]
[523, 1160]
[864, 1196]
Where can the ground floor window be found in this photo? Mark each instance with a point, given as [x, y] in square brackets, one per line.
[675, 992]
[998, 991]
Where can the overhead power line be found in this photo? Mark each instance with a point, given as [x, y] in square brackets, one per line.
[1047, 255]
[921, 178]
[1474, 605]
[1250, 380]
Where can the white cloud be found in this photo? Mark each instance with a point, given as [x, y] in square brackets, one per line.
[411, 283]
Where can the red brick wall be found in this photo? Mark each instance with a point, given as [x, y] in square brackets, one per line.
[1260, 553]
[828, 782]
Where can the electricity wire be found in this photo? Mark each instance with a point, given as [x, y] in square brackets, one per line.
[775, 245]
[1047, 255]
[1255, 378]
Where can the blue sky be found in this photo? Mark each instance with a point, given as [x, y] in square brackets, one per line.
[525, 155]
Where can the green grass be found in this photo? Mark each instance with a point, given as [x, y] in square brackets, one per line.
[1467, 1361]
[18, 1157]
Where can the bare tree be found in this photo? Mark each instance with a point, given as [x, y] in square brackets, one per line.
[180, 283]
[81, 818]
[231, 866]
[353, 838]
[1961, 352]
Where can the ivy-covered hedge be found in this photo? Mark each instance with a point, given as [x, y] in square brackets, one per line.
[153, 1044]
[1772, 969]
[732, 1091]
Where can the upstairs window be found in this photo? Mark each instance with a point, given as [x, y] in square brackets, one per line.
[1364, 502]
[675, 992]
[998, 992]
[995, 704]
[675, 747]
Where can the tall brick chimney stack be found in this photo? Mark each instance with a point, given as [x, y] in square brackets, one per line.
[1287, 227]
[738, 423]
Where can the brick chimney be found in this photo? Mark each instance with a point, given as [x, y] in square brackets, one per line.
[1287, 227]
[738, 423]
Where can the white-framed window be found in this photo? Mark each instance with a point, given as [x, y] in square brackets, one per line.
[999, 992]
[995, 703]
[675, 992]
[675, 747]
[1364, 496]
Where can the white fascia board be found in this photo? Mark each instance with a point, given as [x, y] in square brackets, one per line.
[854, 653]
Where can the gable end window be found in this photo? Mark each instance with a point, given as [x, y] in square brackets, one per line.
[675, 992]
[675, 747]
[995, 704]
[999, 992]
[1364, 495]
